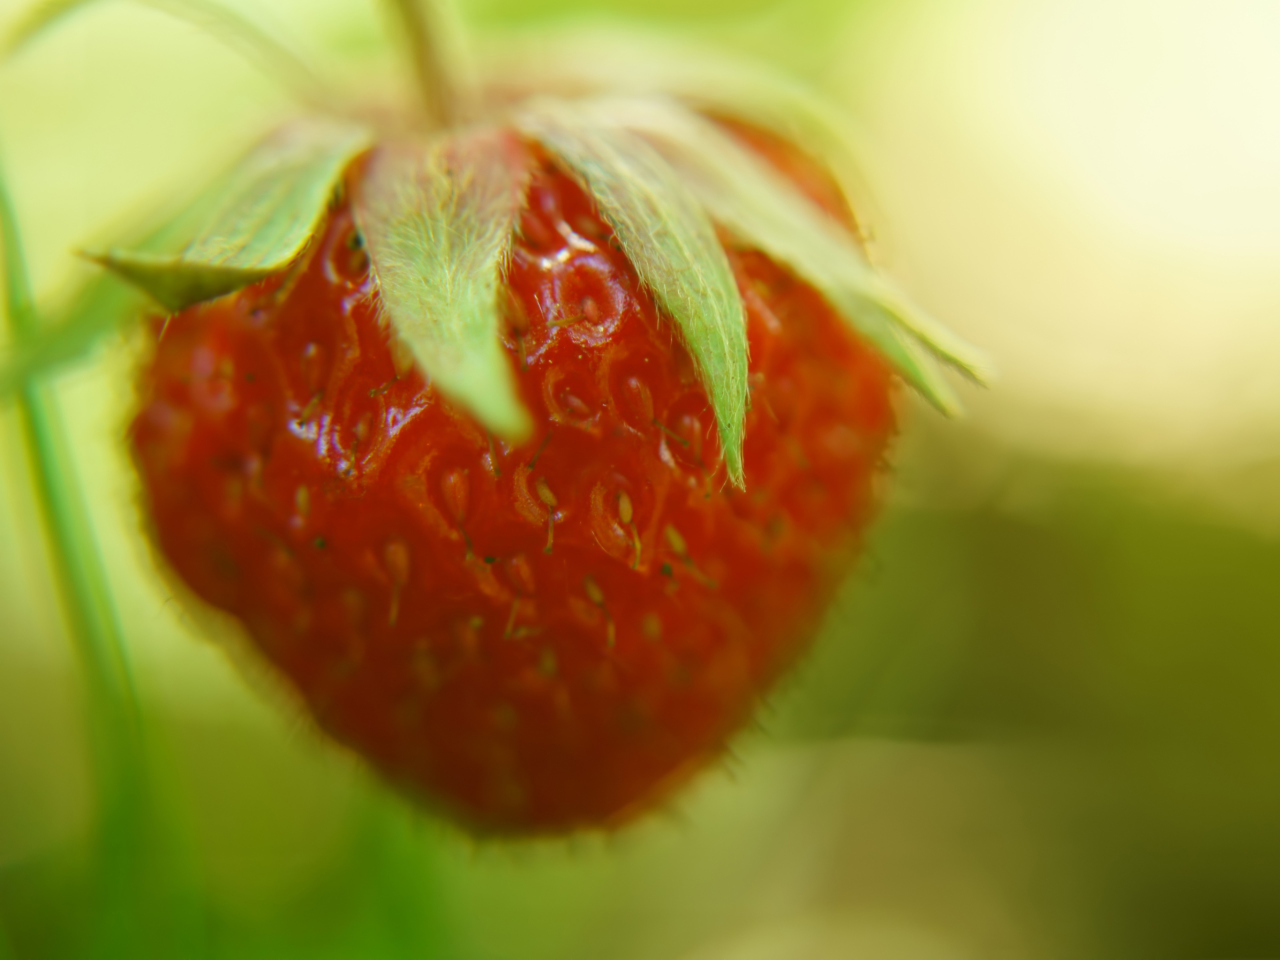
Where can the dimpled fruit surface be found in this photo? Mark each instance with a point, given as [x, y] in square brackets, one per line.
[532, 639]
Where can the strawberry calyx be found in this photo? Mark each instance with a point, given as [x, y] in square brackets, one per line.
[437, 206]
[448, 403]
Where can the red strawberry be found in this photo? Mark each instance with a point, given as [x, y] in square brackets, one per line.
[534, 637]
[530, 461]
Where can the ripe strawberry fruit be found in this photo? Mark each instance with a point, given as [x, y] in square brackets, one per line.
[534, 637]
[529, 449]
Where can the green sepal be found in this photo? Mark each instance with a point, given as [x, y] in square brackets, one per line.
[272, 204]
[766, 211]
[599, 60]
[106, 302]
[174, 282]
[438, 219]
[671, 243]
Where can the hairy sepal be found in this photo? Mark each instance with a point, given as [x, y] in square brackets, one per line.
[271, 205]
[672, 244]
[594, 60]
[766, 211]
[438, 217]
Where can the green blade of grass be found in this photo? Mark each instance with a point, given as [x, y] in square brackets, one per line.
[90, 614]
[106, 305]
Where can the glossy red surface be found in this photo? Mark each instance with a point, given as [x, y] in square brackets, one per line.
[531, 639]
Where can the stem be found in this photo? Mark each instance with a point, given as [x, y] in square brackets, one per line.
[113, 715]
[434, 35]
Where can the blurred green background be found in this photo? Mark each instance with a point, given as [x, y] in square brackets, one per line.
[1043, 718]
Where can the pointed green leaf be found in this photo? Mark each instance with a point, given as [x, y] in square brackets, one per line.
[173, 282]
[272, 205]
[438, 219]
[106, 302]
[765, 210]
[672, 245]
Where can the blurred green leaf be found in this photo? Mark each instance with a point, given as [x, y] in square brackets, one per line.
[103, 305]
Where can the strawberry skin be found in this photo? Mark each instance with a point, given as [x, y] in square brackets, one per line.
[532, 639]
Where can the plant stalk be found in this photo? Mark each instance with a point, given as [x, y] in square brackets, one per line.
[433, 32]
[113, 715]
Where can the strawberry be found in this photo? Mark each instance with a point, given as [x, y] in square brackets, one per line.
[527, 450]
[532, 637]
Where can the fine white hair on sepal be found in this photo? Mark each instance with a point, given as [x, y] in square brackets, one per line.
[437, 218]
[670, 241]
[766, 211]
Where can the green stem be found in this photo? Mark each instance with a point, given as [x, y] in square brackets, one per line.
[90, 612]
[433, 34]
